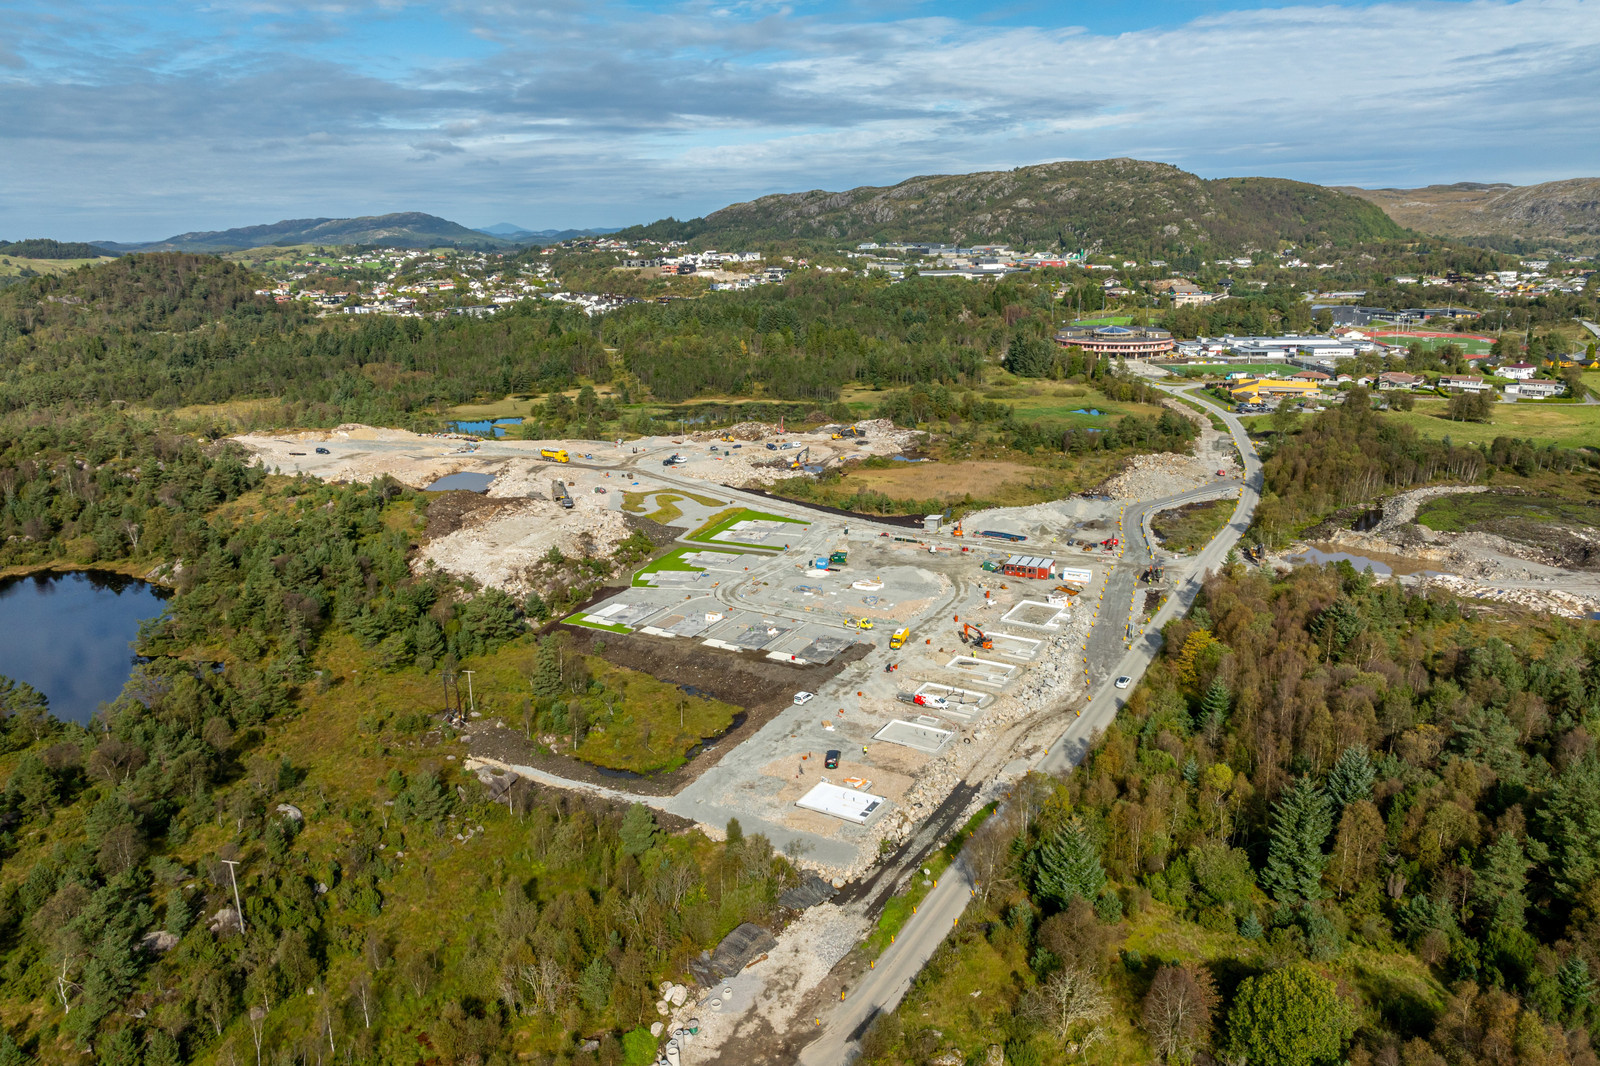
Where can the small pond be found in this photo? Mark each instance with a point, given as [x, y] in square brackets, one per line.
[1381, 564]
[1088, 411]
[468, 482]
[483, 428]
[68, 635]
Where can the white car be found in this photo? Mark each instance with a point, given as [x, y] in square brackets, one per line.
[803, 697]
[1123, 681]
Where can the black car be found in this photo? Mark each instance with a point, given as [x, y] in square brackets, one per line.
[831, 760]
[322, 451]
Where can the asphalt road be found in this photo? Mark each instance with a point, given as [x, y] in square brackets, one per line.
[881, 989]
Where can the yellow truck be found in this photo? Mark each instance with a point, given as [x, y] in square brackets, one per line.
[899, 638]
[555, 455]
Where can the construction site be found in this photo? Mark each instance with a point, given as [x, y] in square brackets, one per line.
[918, 651]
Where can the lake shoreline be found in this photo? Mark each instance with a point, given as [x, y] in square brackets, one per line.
[146, 572]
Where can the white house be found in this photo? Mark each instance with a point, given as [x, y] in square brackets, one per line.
[1536, 390]
[1463, 383]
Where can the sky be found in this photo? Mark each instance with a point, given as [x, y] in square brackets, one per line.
[136, 120]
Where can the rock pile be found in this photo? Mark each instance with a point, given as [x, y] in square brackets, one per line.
[1149, 477]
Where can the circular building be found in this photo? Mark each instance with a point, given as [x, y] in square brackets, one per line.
[1131, 343]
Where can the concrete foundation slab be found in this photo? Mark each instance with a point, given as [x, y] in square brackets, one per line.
[840, 802]
[982, 671]
[824, 649]
[1036, 614]
[1013, 646]
[920, 735]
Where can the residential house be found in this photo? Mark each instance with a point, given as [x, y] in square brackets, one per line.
[1536, 390]
[1517, 371]
[1393, 379]
[1463, 383]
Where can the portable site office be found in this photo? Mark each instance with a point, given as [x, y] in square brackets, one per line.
[1028, 566]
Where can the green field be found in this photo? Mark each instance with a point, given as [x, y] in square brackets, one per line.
[1567, 425]
[1112, 320]
[1465, 511]
[14, 265]
[673, 560]
[1217, 370]
[1064, 405]
[725, 520]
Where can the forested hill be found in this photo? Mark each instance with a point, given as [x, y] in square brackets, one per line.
[44, 248]
[1134, 206]
[404, 229]
[172, 292]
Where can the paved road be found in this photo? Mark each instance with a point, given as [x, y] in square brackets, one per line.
[882, 988]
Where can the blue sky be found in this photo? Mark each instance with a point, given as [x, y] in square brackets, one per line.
[135, 121]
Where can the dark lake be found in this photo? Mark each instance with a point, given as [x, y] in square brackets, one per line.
[68, 635]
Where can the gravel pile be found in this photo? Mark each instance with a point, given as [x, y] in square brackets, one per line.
[1149, 477]
[498, 551]
[1548, 601]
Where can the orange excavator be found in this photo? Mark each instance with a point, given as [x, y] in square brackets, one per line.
[971, 634]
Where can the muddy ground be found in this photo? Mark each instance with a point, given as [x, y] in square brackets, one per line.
[748, 680]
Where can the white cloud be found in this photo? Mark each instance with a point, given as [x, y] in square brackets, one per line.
[600, 114]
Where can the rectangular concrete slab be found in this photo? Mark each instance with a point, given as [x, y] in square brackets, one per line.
[845, 803]
[918, 735]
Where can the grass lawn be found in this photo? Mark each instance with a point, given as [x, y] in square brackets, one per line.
[724, 520]
[1111, 320]
[1189, 528]
[673, 560]
[1567, 425]
[580, 619]
[488, 410]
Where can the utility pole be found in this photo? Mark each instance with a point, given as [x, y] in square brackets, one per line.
[234, 877]
[470, 698]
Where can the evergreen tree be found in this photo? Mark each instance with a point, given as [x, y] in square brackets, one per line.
[1576, 985]
[547, 670]
[1064, 866]
[638, 830]
[179, 913]
[1502, 882]
[1214, 707]
[1571, 819]
[1250, 928]
[1302, 820]
[1351, 778]
[429, 642]
[11, 1054]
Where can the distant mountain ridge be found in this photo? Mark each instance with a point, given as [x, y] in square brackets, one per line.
[405, 229]
[516, 233]
[1567, 211]
[1129, 205]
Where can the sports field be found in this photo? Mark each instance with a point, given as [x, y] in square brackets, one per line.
[1471, 343]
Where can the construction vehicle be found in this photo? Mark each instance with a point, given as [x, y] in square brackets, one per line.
[898, 641]
[727, 438]
[795, 463]
[1110, 542]
[1067, 590]
[838, 558]
[971, 634]
[921, 699]
[555, 455]
[1153, 573]
[558, 493]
